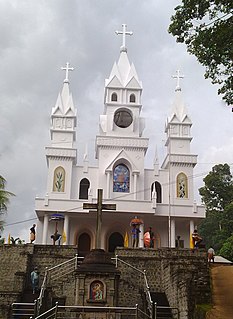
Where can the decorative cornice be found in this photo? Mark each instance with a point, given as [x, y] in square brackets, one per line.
[180, 160]
[61, 152]
[122, 142]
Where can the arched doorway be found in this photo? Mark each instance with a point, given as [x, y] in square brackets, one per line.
[84, 244]
[115, 240]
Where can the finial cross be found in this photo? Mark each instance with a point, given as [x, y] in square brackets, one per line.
[124, 33]
[67, 68]
[178, 76]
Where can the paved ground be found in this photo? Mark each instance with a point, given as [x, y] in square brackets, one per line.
[222, 281]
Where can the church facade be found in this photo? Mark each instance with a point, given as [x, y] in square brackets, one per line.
[161, 197]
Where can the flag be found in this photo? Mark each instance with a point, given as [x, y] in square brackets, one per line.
[9, 239]
[126, 240]
[191, 243]
[64, 237]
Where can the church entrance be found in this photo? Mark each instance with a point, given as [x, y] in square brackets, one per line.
[84, 244]
[115, 240]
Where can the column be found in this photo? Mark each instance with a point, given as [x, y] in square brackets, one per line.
[108, 185]
[66, 230]
[45, 229]
[141, 239]
[173, 233]
[135, 175]
[191, 229]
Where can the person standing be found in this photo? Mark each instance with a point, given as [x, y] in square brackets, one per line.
[211, 254]
[135, 235]
[197, 239]
[152, 237]
[33, 233]
[35, 280]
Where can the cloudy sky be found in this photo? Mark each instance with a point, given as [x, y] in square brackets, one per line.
[40, 36]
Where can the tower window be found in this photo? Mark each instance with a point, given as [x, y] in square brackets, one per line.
[132, 98]
[114, 97]
[182, 185]
[59, 179]
[83, 188]
[157, 187]
[121, 179]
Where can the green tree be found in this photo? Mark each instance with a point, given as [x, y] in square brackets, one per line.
[206, 27]
[217, 194]
[4, 198]
[227, 249]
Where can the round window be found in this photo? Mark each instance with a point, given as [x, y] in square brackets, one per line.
[123, 118]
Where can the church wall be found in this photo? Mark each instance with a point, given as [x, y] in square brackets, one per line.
[188, 171]
[65, 139]
[78, 174]
[67, 165]
[180, 146]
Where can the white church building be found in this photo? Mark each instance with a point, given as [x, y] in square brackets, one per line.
[162, 197]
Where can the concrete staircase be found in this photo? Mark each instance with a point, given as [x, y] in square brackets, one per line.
[161, 301]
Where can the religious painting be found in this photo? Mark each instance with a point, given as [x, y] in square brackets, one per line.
[59, 179]
[121, 179]
[96, 291]
[182, 186]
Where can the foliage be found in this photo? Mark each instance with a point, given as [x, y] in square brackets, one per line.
[206, 27]
[218, 189]
[4, 198]
[217, 194]
[4, 195]
[227, 249]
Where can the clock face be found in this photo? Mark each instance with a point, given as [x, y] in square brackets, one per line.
[123, 118]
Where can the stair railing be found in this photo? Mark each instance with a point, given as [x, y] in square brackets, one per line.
[146, 286]
[58, 311]
[53, 273]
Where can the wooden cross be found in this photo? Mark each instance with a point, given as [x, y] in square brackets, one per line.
[124, 33]
[178, 76]
[67, 69]
[99, 206]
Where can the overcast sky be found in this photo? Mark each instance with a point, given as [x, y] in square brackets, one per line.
[40, 36]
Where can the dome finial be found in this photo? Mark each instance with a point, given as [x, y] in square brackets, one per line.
[124, 33]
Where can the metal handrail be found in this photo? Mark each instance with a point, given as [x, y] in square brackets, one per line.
[58, 309]
[147, 288]
[48, 276]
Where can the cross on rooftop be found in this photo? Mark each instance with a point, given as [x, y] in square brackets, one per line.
[67, 68]
[124, 33]
[178, 76]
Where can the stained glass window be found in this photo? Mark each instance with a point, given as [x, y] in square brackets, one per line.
[121, 179]
[59, 179]
[182, 186]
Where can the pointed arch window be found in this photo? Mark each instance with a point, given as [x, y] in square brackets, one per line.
[59, 179]
[121, 179]
[83, 188]
[132, 98]
[114, 97]
[182, 185]
[158, 189]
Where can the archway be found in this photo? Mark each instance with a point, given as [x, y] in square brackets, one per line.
[115, 240]
[84, 244]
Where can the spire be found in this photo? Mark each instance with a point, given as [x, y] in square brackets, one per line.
[178, 108]
[123, 71]
[65, 104]
[156, 163]
[124, 33]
